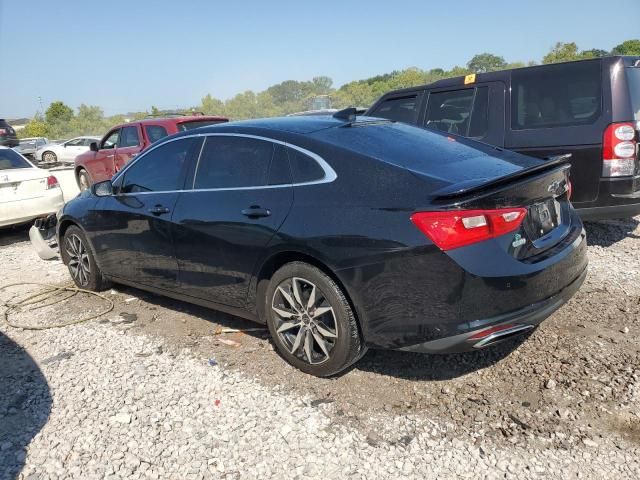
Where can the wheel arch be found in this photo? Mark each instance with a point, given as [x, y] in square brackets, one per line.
[64, 225]
[281, 258]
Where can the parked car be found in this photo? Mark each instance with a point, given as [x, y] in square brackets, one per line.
[339, 234]
[125, 141]
[588, 111]
[28, 146]
[26, 191]
[8, 136]
[64, 152]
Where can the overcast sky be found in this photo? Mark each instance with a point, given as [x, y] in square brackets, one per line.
[126, 55]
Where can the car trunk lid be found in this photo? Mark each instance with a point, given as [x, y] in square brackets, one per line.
[22, 184]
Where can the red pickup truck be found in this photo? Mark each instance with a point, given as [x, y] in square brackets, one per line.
[125, 141]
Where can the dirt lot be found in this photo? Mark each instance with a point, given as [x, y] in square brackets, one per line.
[571, 389]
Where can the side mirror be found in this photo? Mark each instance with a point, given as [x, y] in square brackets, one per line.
[93, 146]
[102, 189]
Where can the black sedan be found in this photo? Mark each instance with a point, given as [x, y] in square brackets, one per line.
[339, 233]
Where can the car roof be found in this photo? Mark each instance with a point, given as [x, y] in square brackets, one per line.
[500, 75]
[301, 124]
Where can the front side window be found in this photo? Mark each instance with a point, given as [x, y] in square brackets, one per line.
[398, 109]
[10, 159]
[129, 137]
[155, 132]
[450, 111]
[76, 142]
[233, 162]
[111, 141]
[556, 96]
[161, 169]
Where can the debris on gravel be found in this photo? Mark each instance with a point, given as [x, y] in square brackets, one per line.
[142, 398]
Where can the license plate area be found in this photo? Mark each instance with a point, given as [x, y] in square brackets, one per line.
[543, 218]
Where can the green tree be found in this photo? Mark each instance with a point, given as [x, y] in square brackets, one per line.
[58, 113]
[486, 62]
[35, 128]
[593, 53]
[562, 52]
[211, 106]
[629, 47]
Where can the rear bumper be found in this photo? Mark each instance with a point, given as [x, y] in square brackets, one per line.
[511, 324]
[617, 198]
[21, 211]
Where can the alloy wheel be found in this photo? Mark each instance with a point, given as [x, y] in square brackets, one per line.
[305, 321]
[84, 181]
[78, 259]
[49, 157]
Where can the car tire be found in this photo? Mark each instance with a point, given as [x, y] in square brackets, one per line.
[49, 157]
[84, 180]
[78, 256]
[318, 335]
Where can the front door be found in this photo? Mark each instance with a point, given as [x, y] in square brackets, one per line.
[72, 149]
[241, 195]
[101, 166]
[129, 146]
[133, 228]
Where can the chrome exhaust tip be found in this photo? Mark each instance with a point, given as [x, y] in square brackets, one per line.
[494, 335]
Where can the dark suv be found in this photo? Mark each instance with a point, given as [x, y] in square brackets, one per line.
[8, 136]
[587, 111]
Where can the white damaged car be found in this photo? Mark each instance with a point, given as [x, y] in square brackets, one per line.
[26, 191]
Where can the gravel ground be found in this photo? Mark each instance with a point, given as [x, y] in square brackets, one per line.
[132, 394]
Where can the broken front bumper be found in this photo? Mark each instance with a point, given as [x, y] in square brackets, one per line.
[43, 237]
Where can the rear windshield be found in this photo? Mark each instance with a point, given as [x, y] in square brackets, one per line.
[633, 78]
[556, 96]
[10, 159]
[197, 124]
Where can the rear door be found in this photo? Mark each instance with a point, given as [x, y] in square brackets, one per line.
[241, 195]
[558, 110]
[133, 233]
[128, 147]
[474, 111]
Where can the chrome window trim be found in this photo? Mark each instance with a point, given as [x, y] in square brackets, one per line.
[329, 173]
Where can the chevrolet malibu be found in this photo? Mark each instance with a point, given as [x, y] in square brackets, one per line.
[339, 233]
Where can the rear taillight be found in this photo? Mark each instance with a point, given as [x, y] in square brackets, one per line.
[457, 228]
[619, 150]
[3, 131]
[52, 182]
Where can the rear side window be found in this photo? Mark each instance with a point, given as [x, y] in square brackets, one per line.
[10, 159]
[399, 109]
[155, 132]
[161, 169]
[129, 137]
[197, 124]
[304, 168]
[556, 96]
[233, 162]
[450, 111]
[633, 79]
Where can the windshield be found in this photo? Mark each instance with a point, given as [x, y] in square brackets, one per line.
[10, 159]
[633, 78]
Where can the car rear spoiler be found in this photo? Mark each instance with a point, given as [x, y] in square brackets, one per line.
[476, 185]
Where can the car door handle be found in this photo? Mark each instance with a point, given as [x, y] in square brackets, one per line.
[254, 211]
[158, 210]
[563, 156]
